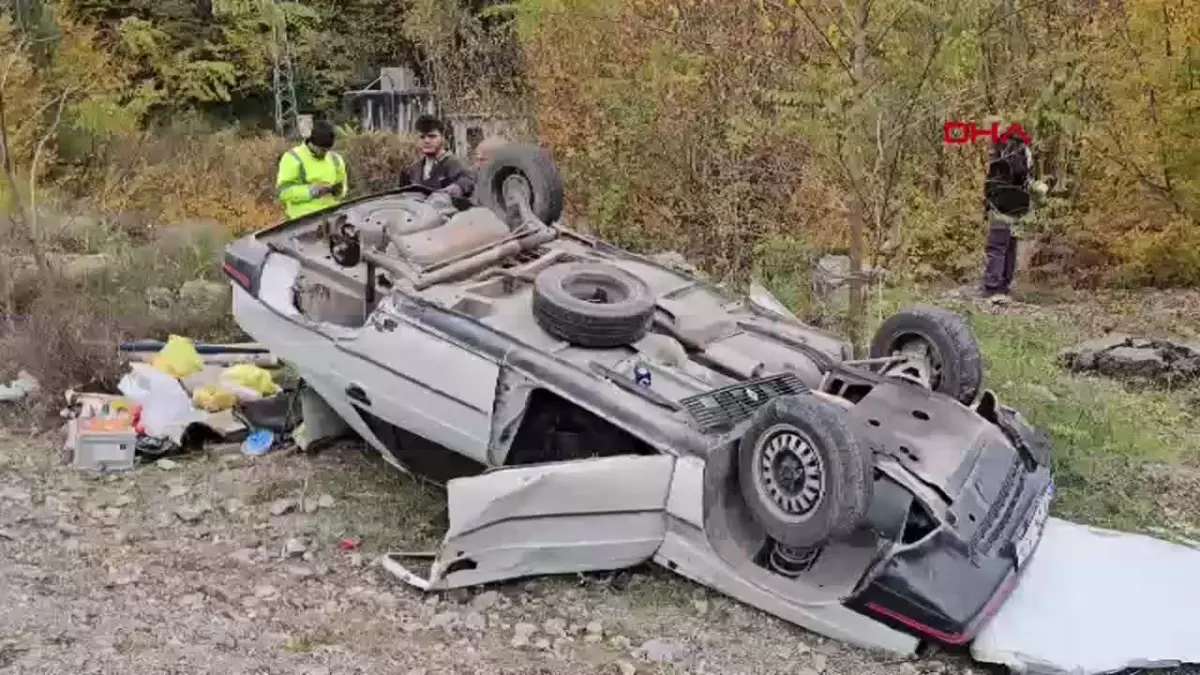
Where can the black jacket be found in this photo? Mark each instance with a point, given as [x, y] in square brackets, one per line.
[1010, 171]
[447, 170]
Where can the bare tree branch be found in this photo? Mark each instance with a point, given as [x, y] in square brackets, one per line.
[33, 167]
[828, 43]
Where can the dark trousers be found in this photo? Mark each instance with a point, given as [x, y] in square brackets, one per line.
[1001, 251]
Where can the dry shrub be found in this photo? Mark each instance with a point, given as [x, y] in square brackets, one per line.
[170, 176]
[1168, 257]
[376, 160]
[193, 192]
[1082, 259]
[660, 131]
[64, 343]
[706, 128]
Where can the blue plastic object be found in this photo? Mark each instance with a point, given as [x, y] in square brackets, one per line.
[258, 442]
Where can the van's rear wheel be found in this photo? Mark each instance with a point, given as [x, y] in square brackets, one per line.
[940, 344]
[803, 471]
[536, 167]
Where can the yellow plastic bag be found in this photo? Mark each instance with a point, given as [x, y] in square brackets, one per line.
[252, 377]
[178, 358]
[212, 398]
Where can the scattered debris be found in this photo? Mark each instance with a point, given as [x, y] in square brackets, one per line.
[190, 514]
[658, 650]
[1127, 357]
[166, 464]
[166, 408]
[280, 507]
[102, 444]
[294, 548]
[258, 442]
[18, 389]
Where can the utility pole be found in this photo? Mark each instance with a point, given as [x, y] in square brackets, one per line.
[283, 76]
[286, 109]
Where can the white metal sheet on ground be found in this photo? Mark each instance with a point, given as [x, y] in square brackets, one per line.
[1096, 601]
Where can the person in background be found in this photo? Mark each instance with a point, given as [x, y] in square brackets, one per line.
[1008, 205]
[311, 176]
[436, 168]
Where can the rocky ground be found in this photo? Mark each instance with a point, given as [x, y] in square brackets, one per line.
[229, 564]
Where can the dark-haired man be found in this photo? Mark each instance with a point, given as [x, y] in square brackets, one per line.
[436, 168]
[311, 176]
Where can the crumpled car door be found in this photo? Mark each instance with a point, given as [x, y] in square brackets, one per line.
[555, 518]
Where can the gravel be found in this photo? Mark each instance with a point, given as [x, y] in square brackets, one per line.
[125, 574]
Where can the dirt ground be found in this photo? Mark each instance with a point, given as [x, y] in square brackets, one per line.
[222, 563]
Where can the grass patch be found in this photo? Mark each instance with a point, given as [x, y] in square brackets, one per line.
[379, 506]
[309, 642]
[1107, 438]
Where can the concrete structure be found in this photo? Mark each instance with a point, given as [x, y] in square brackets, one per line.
[395, 100]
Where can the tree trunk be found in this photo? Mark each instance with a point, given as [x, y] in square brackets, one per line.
[858, 207]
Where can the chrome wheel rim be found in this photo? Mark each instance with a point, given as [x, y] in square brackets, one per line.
[789, 472]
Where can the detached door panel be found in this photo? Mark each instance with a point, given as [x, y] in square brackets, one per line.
[555, 518]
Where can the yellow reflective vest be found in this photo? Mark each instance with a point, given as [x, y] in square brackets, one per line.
[299, 170]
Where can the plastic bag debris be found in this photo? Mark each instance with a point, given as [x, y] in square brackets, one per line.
[250, 377]
[213, 398]
[23, 386]
[238, 384]
[178, 358]
[166, 409]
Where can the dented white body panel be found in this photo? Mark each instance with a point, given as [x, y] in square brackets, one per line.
[1097, 601]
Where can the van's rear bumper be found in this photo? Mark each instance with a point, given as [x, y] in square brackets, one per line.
[942, 590]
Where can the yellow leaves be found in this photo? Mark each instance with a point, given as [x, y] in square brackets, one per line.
[835, 37]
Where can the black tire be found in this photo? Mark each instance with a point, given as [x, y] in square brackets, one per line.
[561, 307]
[539, 170]
[958, 363]
[818, 435]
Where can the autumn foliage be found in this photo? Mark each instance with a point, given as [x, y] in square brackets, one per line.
[748, 135]
[736, 131]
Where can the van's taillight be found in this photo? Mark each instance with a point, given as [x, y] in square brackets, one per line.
[237, 275]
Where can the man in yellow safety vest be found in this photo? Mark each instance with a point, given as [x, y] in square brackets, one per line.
[311, 176]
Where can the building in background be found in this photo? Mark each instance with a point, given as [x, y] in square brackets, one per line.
[395, 100]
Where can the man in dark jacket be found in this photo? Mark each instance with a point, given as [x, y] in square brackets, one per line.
[437, 169]
[1007, 205]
